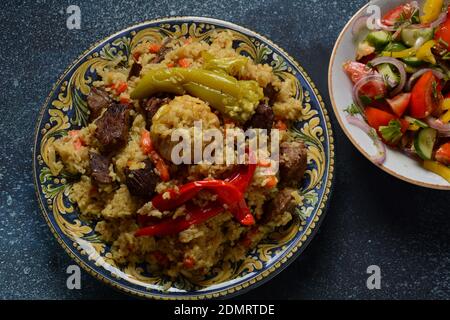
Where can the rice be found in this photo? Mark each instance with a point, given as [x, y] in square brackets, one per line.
[197, 249]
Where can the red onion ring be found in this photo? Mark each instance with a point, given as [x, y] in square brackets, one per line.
[400, 67]
[416, 75]
[440, 20]
[385, 27]
[442, 128]
[380, 157]
[410, 153]
[360, 84]
[357, 122]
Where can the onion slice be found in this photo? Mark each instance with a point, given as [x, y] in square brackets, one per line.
[400, 67]
[380, 157]
[384, 27]
[442, 128]
[416, 75]
[360, 84]
[440, 20]
[415, 5]
[357, 122]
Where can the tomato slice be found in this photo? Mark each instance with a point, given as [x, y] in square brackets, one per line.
[443, 154]
[377, 118]
[404, 11]
[443, 32]
[400, 103]
[405, 125]
[373, 89]
[425, 96]
[356, 70]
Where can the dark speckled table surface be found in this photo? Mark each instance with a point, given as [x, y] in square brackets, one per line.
[373, 219]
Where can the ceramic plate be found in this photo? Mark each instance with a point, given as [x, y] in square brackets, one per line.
[65, 109]
[397, 163]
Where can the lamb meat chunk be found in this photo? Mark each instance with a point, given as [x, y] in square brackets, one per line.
[97, 100]
[142, 182]
[270, 93]
[152, 105]
[100, 168]
[293, 162]
[135, 70]
[263, 117]
[283, 202]
[112, 128]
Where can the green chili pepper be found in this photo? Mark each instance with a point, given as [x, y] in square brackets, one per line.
[218, 100]
[232, 66]
[237, 99]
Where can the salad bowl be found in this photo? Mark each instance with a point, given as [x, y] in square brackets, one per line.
[394, 162]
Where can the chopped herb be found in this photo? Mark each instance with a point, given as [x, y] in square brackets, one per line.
[392, 133]
[352, 109]
[366, 100]
[415, 18]
[446, 56]
[414, 121]
[443, 42]
[379, 97]
[435, 92]
[402, 18]
[373, 135]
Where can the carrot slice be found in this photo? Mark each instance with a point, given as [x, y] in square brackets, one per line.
[184, 63]
[154, 48]
[281, 125]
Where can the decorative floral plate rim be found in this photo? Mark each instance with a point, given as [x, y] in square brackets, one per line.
[251, 280]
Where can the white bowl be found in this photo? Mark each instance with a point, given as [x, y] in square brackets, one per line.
[340, 88]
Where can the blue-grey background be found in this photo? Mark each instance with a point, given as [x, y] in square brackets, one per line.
[372, 218]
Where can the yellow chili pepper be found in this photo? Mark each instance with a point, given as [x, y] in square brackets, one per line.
[446, 117]
[399, 54]
[431, 10]
[413, 127]
[424, 53]
[437, 168]
[445, 104]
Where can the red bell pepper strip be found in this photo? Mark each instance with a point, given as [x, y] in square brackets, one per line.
[236, 205]
[243, 177]
[147, 148]
[144, 220]
[171, 226]
[227, 193]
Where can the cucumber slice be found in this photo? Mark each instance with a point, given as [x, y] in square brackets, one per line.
[413, 62]
[410, 35]
[424, 143]
[410, 70]
[417, 122]
[379, 39]
[386, 71]
[395, 47]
